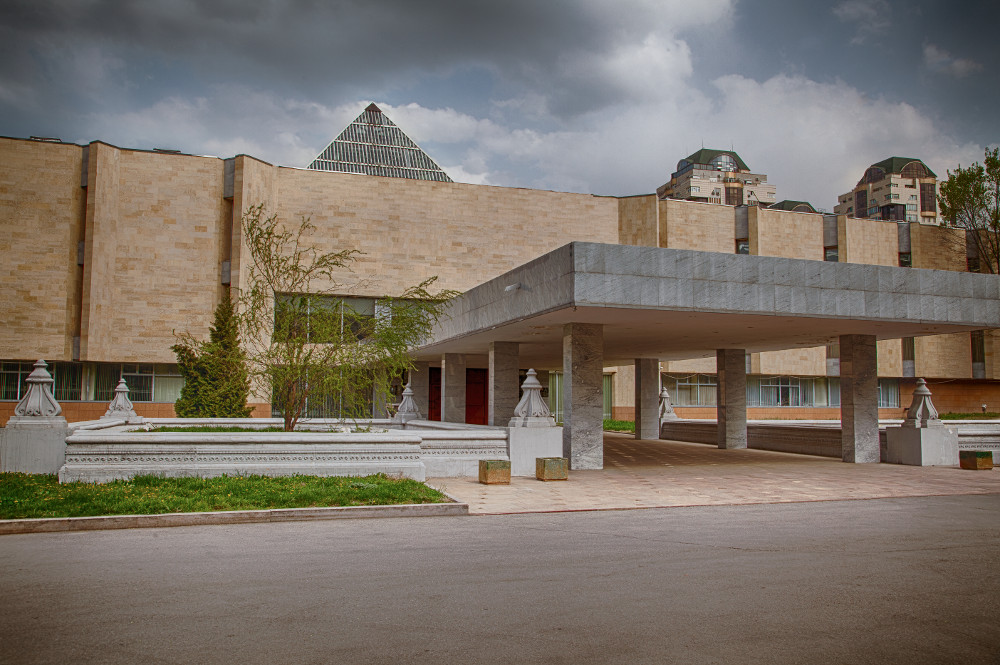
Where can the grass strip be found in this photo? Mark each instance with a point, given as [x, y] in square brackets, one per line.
[619, 426]
[969, 416]
[24, 495]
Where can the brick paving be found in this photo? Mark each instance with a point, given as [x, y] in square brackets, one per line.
[656, 474]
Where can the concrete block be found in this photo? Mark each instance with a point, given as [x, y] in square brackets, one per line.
[976, 460]
[552, 468]
[494, 472]
[33, 445]
[526, 444]
[922, 446]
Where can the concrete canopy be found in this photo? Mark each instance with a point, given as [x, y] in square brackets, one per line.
[675, 304]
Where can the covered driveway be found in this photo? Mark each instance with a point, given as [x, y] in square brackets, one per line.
[585, 306]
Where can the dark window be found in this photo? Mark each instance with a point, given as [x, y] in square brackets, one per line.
[972, 263]
[909, 352]
[928, 196]
[905, 260]
[861, 203]
[978, 346]
[734, 196]
[831, 254]
[742, 246]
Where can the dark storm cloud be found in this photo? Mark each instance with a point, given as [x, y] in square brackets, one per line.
[301, 44]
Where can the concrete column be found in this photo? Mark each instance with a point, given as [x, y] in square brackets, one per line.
[503, 380]
[731, 397]
[583, 401]
[421, 387]
[859, 399]
[647, 398]
[453, 388]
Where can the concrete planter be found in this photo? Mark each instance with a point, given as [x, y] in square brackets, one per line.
[494, 472]
[552, 468]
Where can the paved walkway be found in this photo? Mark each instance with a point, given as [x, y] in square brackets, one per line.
[652, 474]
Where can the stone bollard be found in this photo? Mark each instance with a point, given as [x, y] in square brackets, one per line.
[666, 408]
[407, 410]
[922, 439]
[34, 440]
[121, 406]
[532, 432]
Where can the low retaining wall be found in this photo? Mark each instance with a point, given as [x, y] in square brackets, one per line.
[100, 451]
[101, 456]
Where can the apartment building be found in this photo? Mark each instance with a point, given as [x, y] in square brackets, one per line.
[899, 189]
[717, 176]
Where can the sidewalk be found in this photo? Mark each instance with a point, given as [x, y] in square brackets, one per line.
[655, 474]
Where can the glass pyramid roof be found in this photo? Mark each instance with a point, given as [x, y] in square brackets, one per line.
[373, 145]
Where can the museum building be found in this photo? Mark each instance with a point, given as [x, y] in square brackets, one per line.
[108, 252]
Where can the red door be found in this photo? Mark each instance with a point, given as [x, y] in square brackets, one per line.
[434, 398]
[476, 396]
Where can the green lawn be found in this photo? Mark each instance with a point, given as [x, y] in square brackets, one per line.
[619, 426]
[969, 416]
[25, 495]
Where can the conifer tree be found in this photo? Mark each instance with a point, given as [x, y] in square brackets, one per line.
[216, 379]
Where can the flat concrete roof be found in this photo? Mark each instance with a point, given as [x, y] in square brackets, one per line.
[674, 304]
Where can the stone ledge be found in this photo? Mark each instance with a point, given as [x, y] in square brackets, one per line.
[59, 524]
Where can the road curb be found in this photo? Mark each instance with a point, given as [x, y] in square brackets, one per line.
[59, 524]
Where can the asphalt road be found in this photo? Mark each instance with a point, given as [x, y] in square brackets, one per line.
[882, 581]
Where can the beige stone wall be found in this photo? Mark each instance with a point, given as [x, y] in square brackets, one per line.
[691, 366]
[943, 356]
[154, 242]
[706, 227]
[937, 248]
[869, 241]
[410, 230]
[41, 222]
[637, 221]
[792, 235]
[890, 357]
[797, 362]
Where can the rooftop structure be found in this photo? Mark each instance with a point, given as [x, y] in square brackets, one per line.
[717, 176]
[900, 189]
[373, 145]
[793, 206]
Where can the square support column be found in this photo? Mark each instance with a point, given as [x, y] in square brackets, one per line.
[504, 387]
[859, 399]
[647, 398]
[731, 397]
[421, 386]
[583, 395]
[453, 388]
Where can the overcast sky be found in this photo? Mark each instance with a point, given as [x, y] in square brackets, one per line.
[597, 96]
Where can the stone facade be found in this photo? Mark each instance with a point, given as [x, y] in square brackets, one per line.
[109, 250]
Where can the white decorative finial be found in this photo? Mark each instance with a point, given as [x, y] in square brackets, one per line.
[666, 408]
[532, 410]
[922, 412]
[38, 401]
[407, 410]
[121, 405]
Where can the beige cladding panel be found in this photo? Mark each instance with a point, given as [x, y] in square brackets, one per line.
[943, 356]
[156, 254]
[792, 235]
[937, 248]
[253, 184]
[637, 221]
[410, 230]
[868, 241]
[889, 357]
[706, 227]
[801, 362]
[41, 222]
[690, 366]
